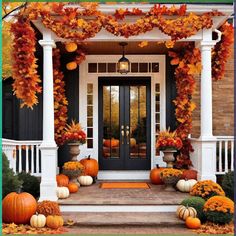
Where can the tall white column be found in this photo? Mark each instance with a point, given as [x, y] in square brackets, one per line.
[48, 147]
[207, 143]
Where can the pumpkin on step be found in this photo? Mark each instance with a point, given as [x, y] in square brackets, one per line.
[38, 221]
[63, 192]
[73, 187]
[62, 180]
[185, 185]
[189, 174]
[18, 208]
[193, 223]
[183, 212]
[85, 180]
[54, 222]
[90, 166]
[155, 175]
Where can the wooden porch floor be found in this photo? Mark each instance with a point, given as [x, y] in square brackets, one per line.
[94, 195]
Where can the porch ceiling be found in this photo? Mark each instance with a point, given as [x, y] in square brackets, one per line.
[112, 48]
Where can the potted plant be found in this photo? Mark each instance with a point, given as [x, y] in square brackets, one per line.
[170, 177]
[73, 169]
[169, 143]
[74, 136]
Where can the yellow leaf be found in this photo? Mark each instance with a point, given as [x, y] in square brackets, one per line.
[143, 44]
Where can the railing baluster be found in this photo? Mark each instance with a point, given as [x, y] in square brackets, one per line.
[27, 159]
[232, 155]
[37, 159]
[220, 156]
[32, 159]
[14, 153]
[20, 159]
[226, 156]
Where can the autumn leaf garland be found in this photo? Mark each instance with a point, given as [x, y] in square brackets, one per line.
[60, 101]
[24, 69]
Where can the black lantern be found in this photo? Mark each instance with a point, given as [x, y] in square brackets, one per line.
[123, 64]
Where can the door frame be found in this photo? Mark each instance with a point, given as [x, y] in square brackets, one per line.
[86, 78]
[122, 81]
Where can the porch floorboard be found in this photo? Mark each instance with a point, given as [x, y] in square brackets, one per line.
[94, 195]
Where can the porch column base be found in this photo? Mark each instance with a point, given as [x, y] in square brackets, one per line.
[204, 158]
[49, 170]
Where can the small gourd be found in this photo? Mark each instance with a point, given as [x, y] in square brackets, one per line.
[71, 65]
[38, 221]
[185, 185]
[183, 212]
[63, 192]
[54, 222]
[193, 223]
[71, 47]
[85, 180]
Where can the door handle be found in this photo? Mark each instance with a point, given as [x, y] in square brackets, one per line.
[122, 134]
[127, 134]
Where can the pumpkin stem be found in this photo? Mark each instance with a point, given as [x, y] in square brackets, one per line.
[88, 157]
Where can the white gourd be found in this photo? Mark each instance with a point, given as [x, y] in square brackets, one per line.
[185, 185]
[184, 212]
[85, 180]
[63, 192]
[38, 221]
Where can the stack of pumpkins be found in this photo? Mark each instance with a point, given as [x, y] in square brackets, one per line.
[64, 187]
[22, 208]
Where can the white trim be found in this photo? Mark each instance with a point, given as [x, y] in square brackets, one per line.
[86, 78]
[120, 208]
[123, 175]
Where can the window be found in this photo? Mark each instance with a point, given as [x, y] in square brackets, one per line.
[89, 115]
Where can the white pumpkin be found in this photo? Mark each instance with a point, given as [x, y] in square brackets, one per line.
[38, 221]
[85, 180]
[63, 192]
[185, 185]
[184, 212]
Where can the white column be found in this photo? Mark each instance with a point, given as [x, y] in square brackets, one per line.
[207, 144]
[48, 147]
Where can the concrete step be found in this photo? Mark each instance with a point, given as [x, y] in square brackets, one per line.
[123, 219]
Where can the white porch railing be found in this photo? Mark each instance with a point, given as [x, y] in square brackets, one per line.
[23, 155]
[224, 154]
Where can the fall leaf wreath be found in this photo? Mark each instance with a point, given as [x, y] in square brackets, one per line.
[78, 24]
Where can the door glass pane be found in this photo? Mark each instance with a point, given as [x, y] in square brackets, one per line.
[138, 127]
[111, 127]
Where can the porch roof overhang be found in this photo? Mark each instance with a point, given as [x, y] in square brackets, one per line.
[155, 34]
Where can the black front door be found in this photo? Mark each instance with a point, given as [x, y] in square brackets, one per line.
[124, 123]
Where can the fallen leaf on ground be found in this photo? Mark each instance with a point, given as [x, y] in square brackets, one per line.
[211, 228]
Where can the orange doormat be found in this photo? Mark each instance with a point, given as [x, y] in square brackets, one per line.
[126, 185]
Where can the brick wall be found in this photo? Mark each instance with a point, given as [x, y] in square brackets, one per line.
[223, 104]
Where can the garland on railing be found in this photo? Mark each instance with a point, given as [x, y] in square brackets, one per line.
[60, 101]
[24, 69]
[188, 64]
[222, 51]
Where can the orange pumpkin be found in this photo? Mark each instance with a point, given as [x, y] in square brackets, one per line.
[193, 223]
[111, 143]
[155, 175]
[18, 208]
[71, 47]
[90, 166]
[71, 65]
[62, 180]
[73, 187]
[189, 174]
[54, 222]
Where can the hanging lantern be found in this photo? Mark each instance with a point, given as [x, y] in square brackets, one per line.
[71, 47]
[71, 65]
[123, 64]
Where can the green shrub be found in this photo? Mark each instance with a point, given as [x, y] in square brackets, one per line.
[197, 203]
[10, 182]
[228, 184]
[30, 184]
[219, 217]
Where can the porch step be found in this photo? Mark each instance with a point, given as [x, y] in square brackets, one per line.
[123, 219]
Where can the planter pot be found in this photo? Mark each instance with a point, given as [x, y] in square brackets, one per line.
[169, 157]
[170, 182]
[74, 151]
[73, 175]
